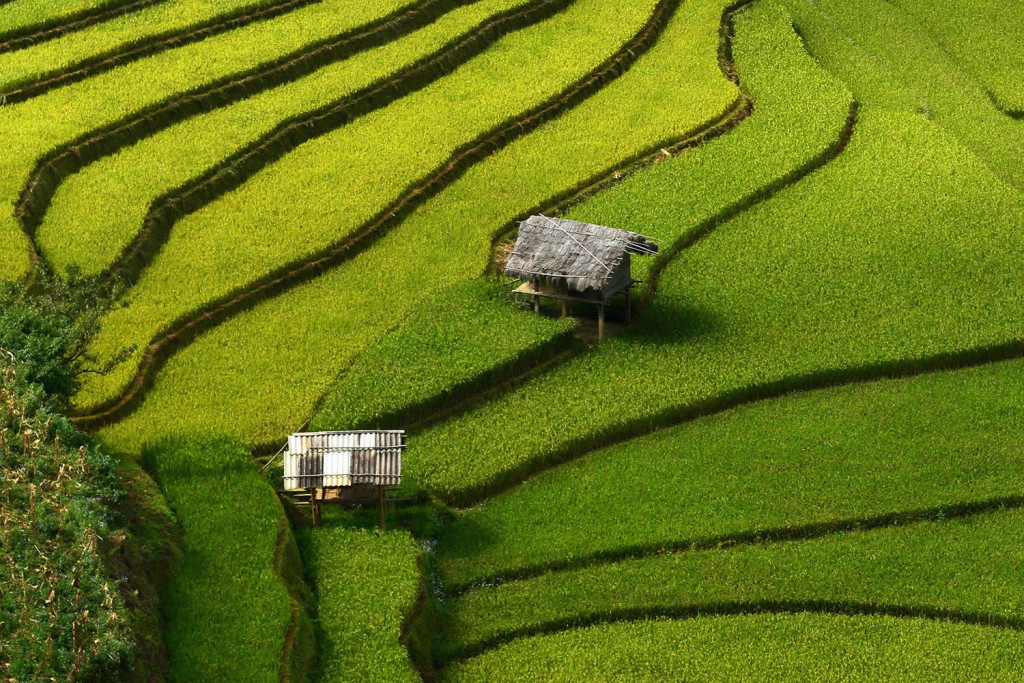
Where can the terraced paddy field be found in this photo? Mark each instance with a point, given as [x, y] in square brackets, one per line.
[801, 460]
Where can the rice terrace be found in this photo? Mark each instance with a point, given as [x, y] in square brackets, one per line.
[512, 340]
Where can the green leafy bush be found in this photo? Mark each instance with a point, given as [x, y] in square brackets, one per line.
[61, 611]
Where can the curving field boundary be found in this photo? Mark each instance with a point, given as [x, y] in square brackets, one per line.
[187, 328]
[58, 164]
[743, 108]
[512, 478]
[235, 170]
[714, 609]
[706, 228]
[151, 46]
[299, 643]
[54, 28]
[802, 532]
[954, 59]
[740, 111]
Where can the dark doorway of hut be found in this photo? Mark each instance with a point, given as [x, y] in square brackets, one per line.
[573, 263]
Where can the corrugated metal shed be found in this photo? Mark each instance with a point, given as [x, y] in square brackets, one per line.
[562, 256]
[318, 460]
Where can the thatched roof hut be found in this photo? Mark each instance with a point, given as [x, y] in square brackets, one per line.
[563, 257]
[574, 261]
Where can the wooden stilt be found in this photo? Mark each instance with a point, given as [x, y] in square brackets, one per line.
[600, 322]
[565, 310]
[380, 505]
[628, 311]
[536, 303]
[315, 507]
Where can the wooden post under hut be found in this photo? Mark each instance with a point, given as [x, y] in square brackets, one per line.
[572, 261]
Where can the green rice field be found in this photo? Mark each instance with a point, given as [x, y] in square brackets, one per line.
[800, 458]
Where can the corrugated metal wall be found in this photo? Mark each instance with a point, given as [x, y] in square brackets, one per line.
[336, 459]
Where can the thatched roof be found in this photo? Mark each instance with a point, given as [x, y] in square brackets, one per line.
[582, 254]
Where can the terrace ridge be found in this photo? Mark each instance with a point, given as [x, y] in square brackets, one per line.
[97, 64]
[182, 331]
[56, 165]
[236, 169]
[51, 29]
[756, 537]
[687, 611]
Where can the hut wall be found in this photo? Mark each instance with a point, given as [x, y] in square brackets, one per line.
[331, 460]
[619, 280]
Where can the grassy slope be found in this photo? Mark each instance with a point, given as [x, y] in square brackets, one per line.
[475, 327]
[983, 36]
[863, 265]
[762, 647]
[445, 241]
[97, 211]
[915, 569]
[849, 453]
[799, 113]
[33, 128]
[898, 46]
[24, 14]
[229, 610]
[327, 188]
[365, 584]
[53, 56]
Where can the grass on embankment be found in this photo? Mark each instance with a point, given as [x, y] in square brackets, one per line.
[365, 583]
[96, 212]
[232, 613]
[33, 129]
[25, 15]
[800, 113]
[446, 240]
[969, 568]
[804, 460]
[329, 187]
[114, 35]
[983, 36]
[890, 47]
[462, 338]
[809, 647]
[901, 252]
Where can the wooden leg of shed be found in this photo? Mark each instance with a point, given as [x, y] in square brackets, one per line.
[600, 323]
[536, 303]
[315, 507]
[628, 311]
[565, 310]
[380, 505]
